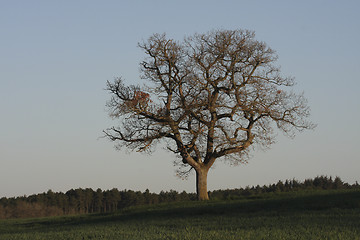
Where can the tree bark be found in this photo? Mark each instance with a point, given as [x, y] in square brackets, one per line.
[201, 183]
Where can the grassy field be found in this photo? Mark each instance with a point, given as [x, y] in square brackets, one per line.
[298, 215]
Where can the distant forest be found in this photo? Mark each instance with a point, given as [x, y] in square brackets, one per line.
[83, 201]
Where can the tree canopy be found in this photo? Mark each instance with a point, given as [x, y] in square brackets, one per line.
[209, 96]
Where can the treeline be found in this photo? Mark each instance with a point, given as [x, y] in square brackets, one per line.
[318, 183]
[82, 201]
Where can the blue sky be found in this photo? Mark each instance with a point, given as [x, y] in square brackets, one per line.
[55, 58]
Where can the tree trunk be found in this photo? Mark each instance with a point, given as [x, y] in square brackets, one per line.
[201, 184]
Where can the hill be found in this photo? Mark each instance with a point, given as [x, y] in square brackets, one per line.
[82, 201]
[320, 214]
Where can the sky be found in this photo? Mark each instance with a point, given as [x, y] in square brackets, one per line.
[56, 56]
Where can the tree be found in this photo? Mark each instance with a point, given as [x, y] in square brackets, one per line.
[208, 97]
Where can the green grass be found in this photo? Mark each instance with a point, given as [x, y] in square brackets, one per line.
[299, 215]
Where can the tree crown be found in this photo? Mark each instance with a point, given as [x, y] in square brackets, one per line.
[210, 96]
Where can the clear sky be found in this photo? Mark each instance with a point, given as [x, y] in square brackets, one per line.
[55, 58]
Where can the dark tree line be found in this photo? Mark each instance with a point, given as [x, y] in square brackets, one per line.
[83, 201]
[318, 183]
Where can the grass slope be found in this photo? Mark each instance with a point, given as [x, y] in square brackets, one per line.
[297, 215]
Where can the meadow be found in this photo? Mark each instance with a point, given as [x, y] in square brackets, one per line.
[321, 214]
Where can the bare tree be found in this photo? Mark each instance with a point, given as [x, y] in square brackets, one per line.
[208, 97]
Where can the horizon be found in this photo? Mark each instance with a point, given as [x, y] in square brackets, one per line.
[289, 181]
